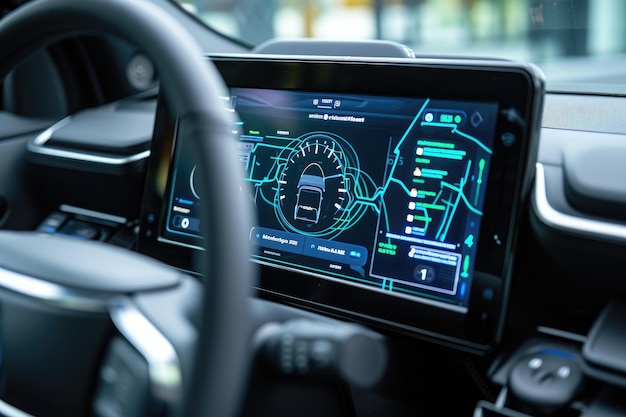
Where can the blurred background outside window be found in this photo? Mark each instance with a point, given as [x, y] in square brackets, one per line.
[536, 30]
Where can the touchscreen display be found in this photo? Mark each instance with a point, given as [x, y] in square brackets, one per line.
[386, 191]
[382, 192]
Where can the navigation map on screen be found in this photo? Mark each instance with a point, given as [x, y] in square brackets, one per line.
[383, 192]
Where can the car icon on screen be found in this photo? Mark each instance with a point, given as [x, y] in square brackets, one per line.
[311, 187]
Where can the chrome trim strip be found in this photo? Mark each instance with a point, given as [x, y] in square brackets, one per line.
[163, 363]
[45, 136]
[38, 142]
[501, 399]
[90, 213]
[568, 223]
[102, 160]
[563, 334]
[53, 294]
[7, 410]
[184, 245]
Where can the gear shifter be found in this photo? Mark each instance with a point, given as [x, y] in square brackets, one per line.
[546, 380]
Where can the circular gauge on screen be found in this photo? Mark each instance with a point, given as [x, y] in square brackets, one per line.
[314, 190]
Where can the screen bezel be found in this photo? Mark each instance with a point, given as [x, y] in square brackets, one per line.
[510, 84]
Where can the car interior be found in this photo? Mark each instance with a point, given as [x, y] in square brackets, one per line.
[190, 225]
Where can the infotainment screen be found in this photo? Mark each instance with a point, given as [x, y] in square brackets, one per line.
[392, 200]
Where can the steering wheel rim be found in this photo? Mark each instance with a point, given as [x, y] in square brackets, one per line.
[192, 87]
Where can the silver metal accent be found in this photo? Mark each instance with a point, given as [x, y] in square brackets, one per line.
[54, 294]
[562, 334]
[95, 214]
[184, 245]
[7, 410]
[37, 146]
[163, 363]
[45, 136]
[502, 397]
[567, 222]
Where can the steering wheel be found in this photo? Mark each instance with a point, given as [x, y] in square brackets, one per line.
[86, 323]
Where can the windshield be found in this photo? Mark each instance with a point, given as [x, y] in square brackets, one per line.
[580, 44]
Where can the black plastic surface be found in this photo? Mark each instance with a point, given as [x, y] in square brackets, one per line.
[606, 344]
[82, 264]
[486, 409]
[49, 356]
[124, 385]
[609, 403]
[594, 178]
[106, 130]
[22, 89]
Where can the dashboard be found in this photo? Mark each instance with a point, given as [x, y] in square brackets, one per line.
[395, 202]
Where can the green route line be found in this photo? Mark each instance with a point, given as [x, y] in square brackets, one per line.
[262, 194]
[449, 214]
[384, 210]
[473, 139]
[467, 203]
[266, 179]
[334, 176]
[453, 129]
[252, 168]
[479, 181]
[380, 191]
[277, 158]
[397, 181]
